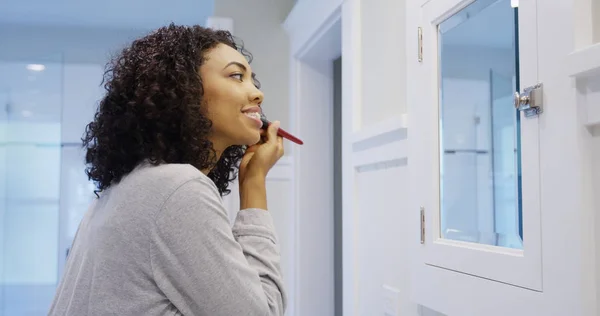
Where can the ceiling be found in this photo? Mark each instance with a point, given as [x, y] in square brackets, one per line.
[85, 31]
[114, 14]
[50, 32]
[40, 44]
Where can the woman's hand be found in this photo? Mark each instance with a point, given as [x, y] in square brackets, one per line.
[260, 158]
[255, 165]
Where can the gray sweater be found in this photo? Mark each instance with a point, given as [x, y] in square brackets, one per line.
[160, 243]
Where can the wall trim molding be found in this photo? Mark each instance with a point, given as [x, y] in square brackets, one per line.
[584, 66]
[283, 170]
[381, 146]
[303, 31]
[584, 62]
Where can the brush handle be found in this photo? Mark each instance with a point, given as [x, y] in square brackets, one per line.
[281, 132]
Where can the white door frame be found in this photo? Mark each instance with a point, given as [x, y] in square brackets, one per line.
[314, 30]
[363, 148]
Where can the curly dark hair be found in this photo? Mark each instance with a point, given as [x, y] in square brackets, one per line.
[153, 110]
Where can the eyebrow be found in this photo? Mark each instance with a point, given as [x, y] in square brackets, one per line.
[237, 64]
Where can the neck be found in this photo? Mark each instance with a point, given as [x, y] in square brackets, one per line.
[218, 152]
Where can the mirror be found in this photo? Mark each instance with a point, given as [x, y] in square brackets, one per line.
[480, 186]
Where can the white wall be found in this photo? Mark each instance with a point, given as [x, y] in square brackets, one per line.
[585, 70]
[593, 97]
[384, 223]
[596, 203]
[383, 60]
[596, 20]
[258, 24]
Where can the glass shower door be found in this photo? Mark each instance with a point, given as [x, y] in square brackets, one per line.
[4, 104]
[30, 152]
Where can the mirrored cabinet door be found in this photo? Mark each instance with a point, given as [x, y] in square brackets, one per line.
[479, 183]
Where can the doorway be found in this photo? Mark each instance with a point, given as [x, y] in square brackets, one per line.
[317, 176]
[337, 187]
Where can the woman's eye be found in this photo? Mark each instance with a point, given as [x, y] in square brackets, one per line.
[237, 76]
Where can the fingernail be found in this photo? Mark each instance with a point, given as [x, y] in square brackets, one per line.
[276, 124]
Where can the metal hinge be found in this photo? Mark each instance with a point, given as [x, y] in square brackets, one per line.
[420, 40]
[530, 101]
[422, 225]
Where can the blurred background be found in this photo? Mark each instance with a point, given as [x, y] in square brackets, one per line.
[52, 58]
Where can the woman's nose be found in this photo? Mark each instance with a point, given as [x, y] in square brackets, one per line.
[256, 95]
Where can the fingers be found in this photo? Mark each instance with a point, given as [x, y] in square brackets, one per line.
[251, 149]
[280, 145]
[272, 132]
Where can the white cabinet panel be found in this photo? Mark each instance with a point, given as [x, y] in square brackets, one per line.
[383, 61]
[552, 271]
[475, 158]
[383, 239]
[595, 175]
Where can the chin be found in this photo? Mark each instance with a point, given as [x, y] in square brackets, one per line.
[251, 138]
[254, 141]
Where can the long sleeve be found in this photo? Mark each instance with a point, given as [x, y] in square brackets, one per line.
[205, 267]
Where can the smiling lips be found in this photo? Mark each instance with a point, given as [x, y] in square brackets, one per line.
[255, 116]
[254, 113]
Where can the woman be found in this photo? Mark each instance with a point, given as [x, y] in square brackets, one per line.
[181, 107]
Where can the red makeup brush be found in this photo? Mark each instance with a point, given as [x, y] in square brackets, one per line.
[280, 131]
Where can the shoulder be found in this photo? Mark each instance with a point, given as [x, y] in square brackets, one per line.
[179, 183]
[164, 183]
[193, 200]
[166, 177]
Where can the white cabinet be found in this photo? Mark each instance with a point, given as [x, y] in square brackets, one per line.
[501, 192]
[479, 169]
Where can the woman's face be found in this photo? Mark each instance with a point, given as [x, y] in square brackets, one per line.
[231, 97]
